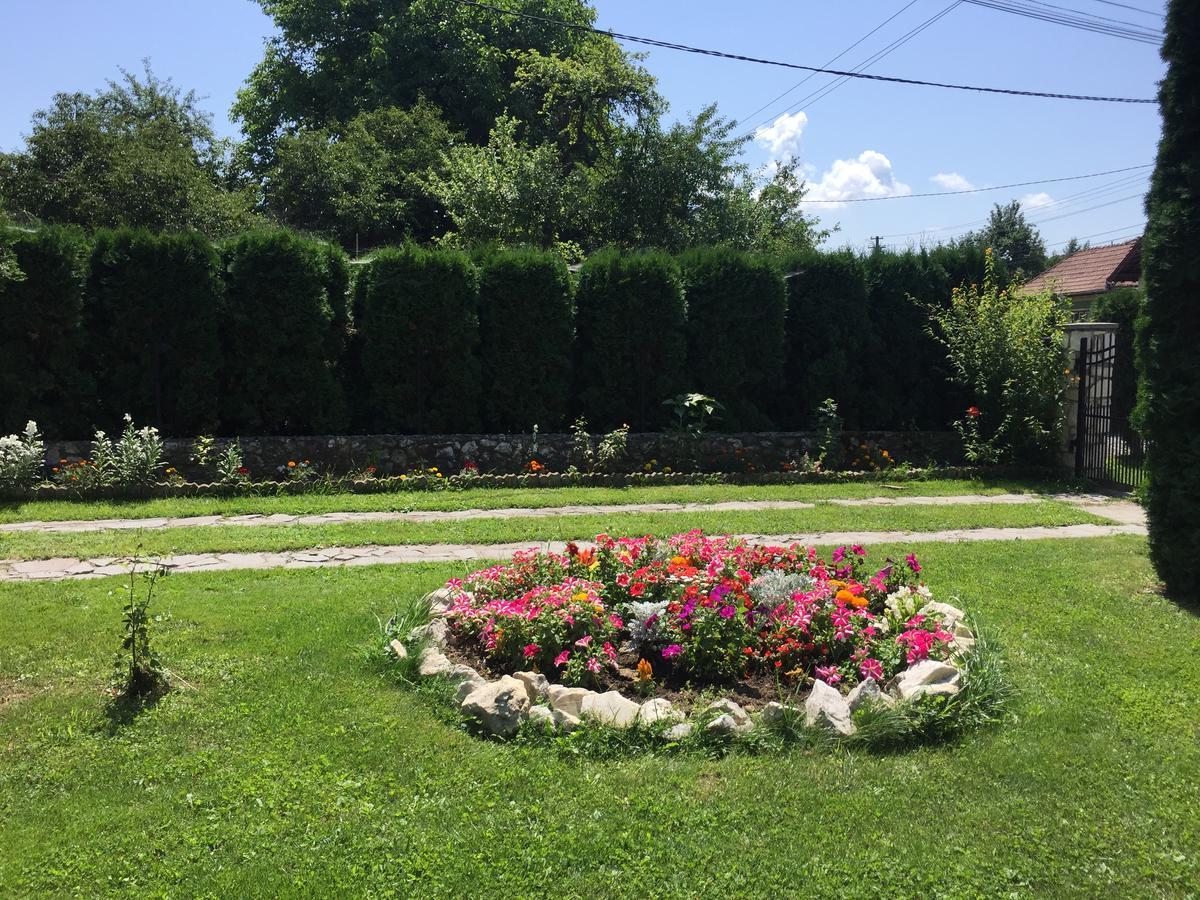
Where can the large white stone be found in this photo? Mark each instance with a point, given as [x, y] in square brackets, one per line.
[928, 677]
[827, 708]
[433, 631]
[568, 699]
[499, 706]
[439, 600]
[434, 662]
[727, 707]
[564, 720]
[678, 732]
[773, 711]
[726, 723]
[658, 710]
[399, 649]
[541, 715]
[865, 693]
[611, 708]
[536, 685]
[950, 615]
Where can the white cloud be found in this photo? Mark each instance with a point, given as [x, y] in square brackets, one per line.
[1033, 201]
[782, 137]
[952, 181]
[868, 175]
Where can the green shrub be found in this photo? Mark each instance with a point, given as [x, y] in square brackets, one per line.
[630, 338]
[829, 339]
[43, 375]
[419, 334]
[1009, 351]
[737, 311]
[284, 330]
[526, 331]
[152, 313]
[1171, 274]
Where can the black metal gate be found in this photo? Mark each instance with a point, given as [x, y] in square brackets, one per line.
[1107, 448]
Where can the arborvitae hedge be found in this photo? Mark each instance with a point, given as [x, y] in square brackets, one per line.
[829, 338]
[737, 307]
[420, 331]
[908, 374]
[1171, 274]
[153, 310]
[42, 372]
[526, 329]
[630, 338]
[285, 300]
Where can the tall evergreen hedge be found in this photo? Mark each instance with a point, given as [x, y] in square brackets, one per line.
[829, 338]
[526, 328]
[420, 333]
[153, 310]
[284, 329]
[909, 375]
[630, 338]
[43, 375]
[737, 309]
[1171, 274]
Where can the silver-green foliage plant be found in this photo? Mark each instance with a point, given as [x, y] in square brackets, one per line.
[1009, 351]
[641, 618]
[230, 465]
[135, 458]
[22, 457]
[775, 587]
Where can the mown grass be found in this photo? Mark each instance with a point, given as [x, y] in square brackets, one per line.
[296, 766]
[234, 538]
[46, 510]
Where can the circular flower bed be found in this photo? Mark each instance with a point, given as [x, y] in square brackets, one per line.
[632, 631]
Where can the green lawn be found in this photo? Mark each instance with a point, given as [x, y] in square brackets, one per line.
[494, 499]
[230, 538]
[295, 766]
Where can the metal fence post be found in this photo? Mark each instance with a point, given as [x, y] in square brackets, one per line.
[1081, 405]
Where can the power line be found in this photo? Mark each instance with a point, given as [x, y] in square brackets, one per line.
[1046, 13]
[1148, 12]
[720, 54]
[999, 187]
[1088, 237]
[833, 84]
[823, 92]
[831, 60]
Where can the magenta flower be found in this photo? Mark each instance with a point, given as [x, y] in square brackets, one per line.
[561, 659]
[828, 674]
[672, 651]
[911, 559]
[584, 641]
[530, 650]
[726, 612]
[871, 668]
[858, 550]
[593, 665]
[839, 554]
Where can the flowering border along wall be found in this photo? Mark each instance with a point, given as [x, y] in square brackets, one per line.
[644, 633]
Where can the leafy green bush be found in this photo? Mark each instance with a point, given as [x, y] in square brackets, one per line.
[284, 330]
[829, 336]
[152, 313]
[630, 338]
[1171, 273]
[1009, 351]
[737, 310]
[419, 333]
[526, 331]
[43, 374]
[22, 458]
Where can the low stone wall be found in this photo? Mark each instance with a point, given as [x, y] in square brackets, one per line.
[394, 454]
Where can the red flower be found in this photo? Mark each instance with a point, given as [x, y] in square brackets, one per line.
[973, 412]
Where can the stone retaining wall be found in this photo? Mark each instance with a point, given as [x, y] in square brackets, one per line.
[501, 453]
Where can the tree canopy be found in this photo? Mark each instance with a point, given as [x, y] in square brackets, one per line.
[139, 152]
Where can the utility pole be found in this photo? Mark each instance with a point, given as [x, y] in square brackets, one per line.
[876, 239]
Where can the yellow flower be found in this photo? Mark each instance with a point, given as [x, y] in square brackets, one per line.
[579, 597]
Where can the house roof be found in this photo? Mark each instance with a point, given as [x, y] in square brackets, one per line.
[1092, 271]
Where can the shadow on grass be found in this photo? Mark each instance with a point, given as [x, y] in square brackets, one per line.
[123, 708]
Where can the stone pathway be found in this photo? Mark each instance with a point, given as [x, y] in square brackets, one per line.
[58, 569]
[1093, 503]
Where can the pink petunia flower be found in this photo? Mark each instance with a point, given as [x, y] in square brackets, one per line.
[671, 651]
[871, 668]
[561, 659]
[530, 650]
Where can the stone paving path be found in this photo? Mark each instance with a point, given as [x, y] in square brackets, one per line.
[58, 569]
[1094, 503]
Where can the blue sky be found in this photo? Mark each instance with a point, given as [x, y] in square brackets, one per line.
[861, 139]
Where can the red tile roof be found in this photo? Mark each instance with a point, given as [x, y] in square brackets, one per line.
[1092, 271]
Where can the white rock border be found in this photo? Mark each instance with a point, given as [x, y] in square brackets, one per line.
[503, 705]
